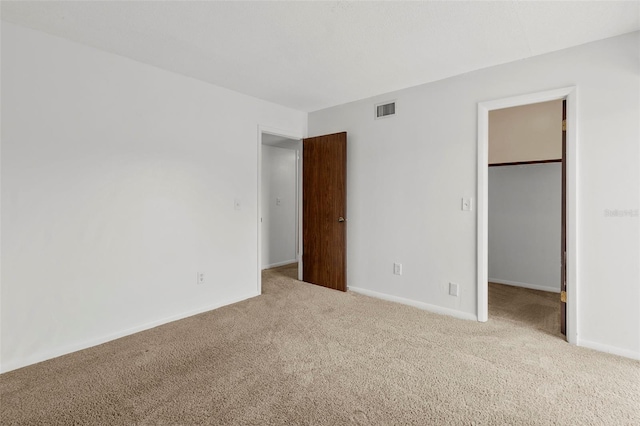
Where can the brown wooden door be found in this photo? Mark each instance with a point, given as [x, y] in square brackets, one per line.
[324, 210]
[563, 237]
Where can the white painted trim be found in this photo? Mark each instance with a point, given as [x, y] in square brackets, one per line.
[277, 264]
[113, 336]
[609, 349]
[525, 285]
[299, 200]
[568, 93]
[416, 304]
[482, 208]
[286, 134]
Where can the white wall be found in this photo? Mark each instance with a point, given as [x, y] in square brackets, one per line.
[278, 219]
[118, 185]
[407, 175]
[525, 215]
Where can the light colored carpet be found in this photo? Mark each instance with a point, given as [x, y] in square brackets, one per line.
[526, 308]
[302, 354]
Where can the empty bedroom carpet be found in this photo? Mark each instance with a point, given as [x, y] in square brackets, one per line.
[301, 354]
[526, 308]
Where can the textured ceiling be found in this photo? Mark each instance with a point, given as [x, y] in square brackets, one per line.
[312, 55]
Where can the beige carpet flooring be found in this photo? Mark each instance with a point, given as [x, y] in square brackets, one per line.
[302, 354]
[526, 308]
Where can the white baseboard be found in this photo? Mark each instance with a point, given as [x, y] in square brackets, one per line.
[525, 285]
[13, 365]
[416, 304]
[275, 265]
[609, 349]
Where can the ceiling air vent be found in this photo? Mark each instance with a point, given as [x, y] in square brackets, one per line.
[385, 110]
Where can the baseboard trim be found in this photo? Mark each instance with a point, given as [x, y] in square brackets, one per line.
[34, 359]
[525, 285]
[416, 304]
[609, 349]
[277, 264]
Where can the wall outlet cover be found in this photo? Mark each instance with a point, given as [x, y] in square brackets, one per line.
[454, 289]
[397, 268]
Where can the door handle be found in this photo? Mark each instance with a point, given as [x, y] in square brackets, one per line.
[341, 219]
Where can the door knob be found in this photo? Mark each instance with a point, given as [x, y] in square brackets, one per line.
[341, 219]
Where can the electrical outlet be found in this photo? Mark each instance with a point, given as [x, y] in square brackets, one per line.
[200, 278]
[397, 268]
[453, 289]
[467, 204]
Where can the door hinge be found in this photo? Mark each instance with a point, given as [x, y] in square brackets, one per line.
[564, 125]
[563, 296]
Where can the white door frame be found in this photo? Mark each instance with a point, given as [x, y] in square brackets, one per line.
[289, 135]
[568, 93]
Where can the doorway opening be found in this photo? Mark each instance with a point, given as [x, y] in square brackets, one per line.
[279, 201]
[321, 201]
[525, 215]
[570, 166]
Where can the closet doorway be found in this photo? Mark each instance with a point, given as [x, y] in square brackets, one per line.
[526, 210]
[525, 214]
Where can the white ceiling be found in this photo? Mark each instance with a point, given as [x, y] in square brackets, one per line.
[313, 55]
